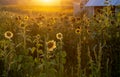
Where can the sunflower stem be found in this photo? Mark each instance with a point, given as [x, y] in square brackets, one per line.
[24, 39]
[45, 57]
[79, 57]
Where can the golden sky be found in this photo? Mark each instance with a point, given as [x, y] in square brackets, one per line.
[46, 2]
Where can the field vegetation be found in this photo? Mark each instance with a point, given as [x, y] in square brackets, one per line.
[43, 43]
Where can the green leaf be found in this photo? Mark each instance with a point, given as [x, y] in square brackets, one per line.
[52, 72]
[19, 67]
[40, 51]
[40, 66]
[33, 49]
[20, 58]
[117, 34]
[39, 45]
[64, 54]
[63, 60]
[29, 40]
[36, 60]
[42, 75]
[18, 45]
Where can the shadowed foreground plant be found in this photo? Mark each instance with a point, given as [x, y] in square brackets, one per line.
[7, 52]
[60, 55]
[95, 65]
[45, 57]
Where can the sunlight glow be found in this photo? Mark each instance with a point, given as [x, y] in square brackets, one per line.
[47, 2]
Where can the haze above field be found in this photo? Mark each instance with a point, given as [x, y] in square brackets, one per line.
[37, 2]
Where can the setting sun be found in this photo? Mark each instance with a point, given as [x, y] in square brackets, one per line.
[47, 2]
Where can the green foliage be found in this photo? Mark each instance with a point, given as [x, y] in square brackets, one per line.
[88, 47]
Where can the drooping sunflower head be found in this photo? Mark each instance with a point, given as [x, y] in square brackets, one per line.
[8, 34]
[59, 36]
[51, 45]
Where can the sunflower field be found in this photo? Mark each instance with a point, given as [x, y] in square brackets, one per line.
[35, 44]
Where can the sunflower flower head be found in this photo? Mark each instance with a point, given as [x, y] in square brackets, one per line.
[59, 36]
[50, 29]
[26, 18]
[78, 31]
[23, 25]
[8, 34]
[51, 45]
[37, 36]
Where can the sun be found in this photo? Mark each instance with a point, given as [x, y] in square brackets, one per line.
[47, 1]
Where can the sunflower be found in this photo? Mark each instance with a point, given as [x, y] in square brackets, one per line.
[59, 36]
[8, 34]
[40, 24]
[73, 19]
[37, 36]
[26, 18]
[51, 45]
[50, 29]
[78, 31]
[23, 25]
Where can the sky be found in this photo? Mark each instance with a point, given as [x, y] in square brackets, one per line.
[33, 1]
